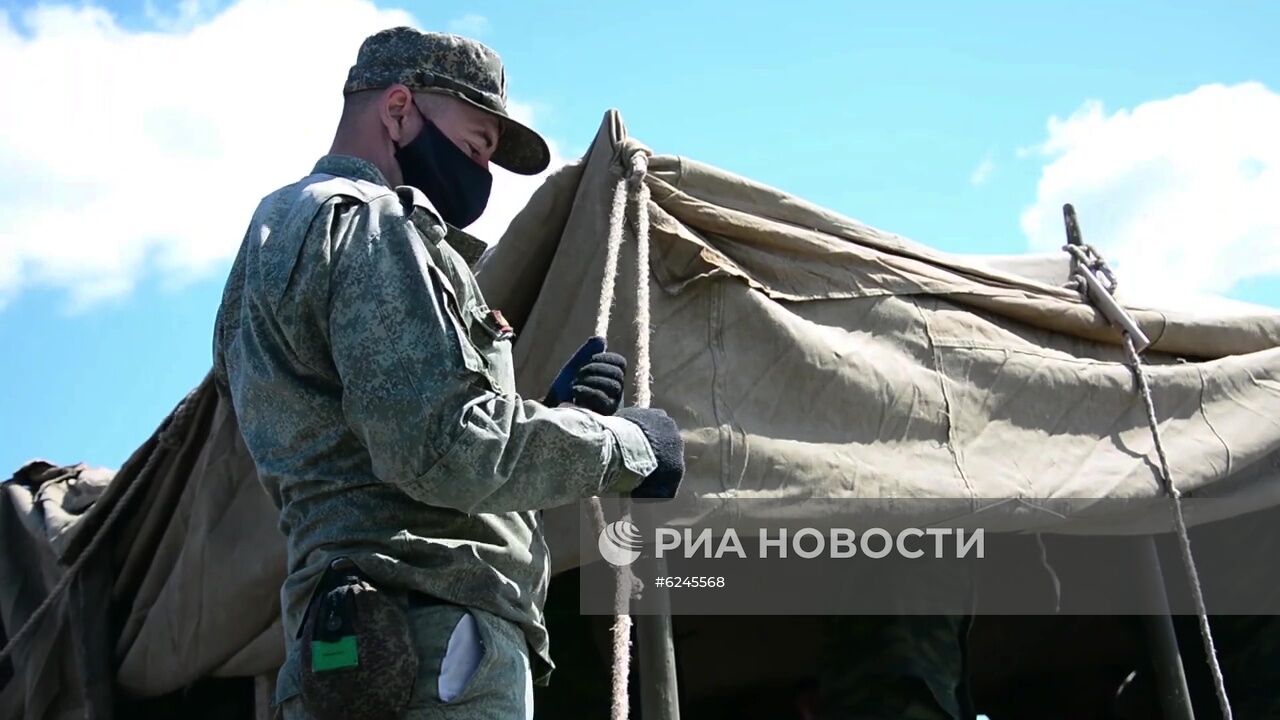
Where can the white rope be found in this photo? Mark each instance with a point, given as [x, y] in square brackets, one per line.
[624, 581]
[613, 247]
[643, 381]
[621, 630]
[620, 706]
[1085, 254]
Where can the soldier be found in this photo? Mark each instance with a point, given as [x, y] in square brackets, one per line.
[375, 392]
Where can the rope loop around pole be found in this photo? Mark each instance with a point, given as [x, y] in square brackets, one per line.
[1088, 256]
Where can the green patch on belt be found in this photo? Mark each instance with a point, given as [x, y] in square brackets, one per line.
[335, 655]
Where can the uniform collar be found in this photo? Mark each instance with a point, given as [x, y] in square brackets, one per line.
[350, 166]
[468, 246]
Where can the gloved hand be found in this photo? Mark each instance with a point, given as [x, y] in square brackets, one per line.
[664, 437]
[592, 379]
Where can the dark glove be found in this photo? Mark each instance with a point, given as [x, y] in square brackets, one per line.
[592, 379]
[664, 437]
[598, 385]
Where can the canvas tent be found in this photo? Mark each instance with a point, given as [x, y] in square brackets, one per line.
[803, 354]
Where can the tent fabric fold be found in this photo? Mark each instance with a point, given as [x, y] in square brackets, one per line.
[185, 585]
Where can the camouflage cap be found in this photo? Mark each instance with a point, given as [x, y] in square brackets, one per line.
[451, 65]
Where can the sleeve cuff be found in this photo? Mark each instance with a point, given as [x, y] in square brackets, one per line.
[637, 456]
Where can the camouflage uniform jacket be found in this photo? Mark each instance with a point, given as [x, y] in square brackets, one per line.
[376, 395]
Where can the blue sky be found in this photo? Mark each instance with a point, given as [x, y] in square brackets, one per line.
[932, 120]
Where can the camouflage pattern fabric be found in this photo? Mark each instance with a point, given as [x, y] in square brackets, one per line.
[499, 688]
[375, 392]
[450, 65]
[905, 667]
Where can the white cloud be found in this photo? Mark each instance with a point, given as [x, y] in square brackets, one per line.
[131, 153]
[1179, 194]
[476, 26]
[982, 173]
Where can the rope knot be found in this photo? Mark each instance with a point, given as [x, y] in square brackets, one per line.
[1086, 255]
[639, 166]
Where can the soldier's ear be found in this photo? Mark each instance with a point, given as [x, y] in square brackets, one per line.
[396, 113]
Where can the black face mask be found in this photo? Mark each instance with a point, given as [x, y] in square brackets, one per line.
[452, 181]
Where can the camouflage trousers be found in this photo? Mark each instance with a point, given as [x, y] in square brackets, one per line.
[472, 665]
[900, 667]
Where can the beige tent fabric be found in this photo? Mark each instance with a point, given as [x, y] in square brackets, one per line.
[186, 586]
[808, 355]
[212, 587]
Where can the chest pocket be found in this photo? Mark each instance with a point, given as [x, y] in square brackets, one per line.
[491, 336]
[483, 334]
[481, 352]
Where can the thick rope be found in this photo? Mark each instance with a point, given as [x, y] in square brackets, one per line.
[613, 247]
[621, 630]
[1086, 255]
[1184, 538]
[179, 420]
[643, 381]
[624, 580]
